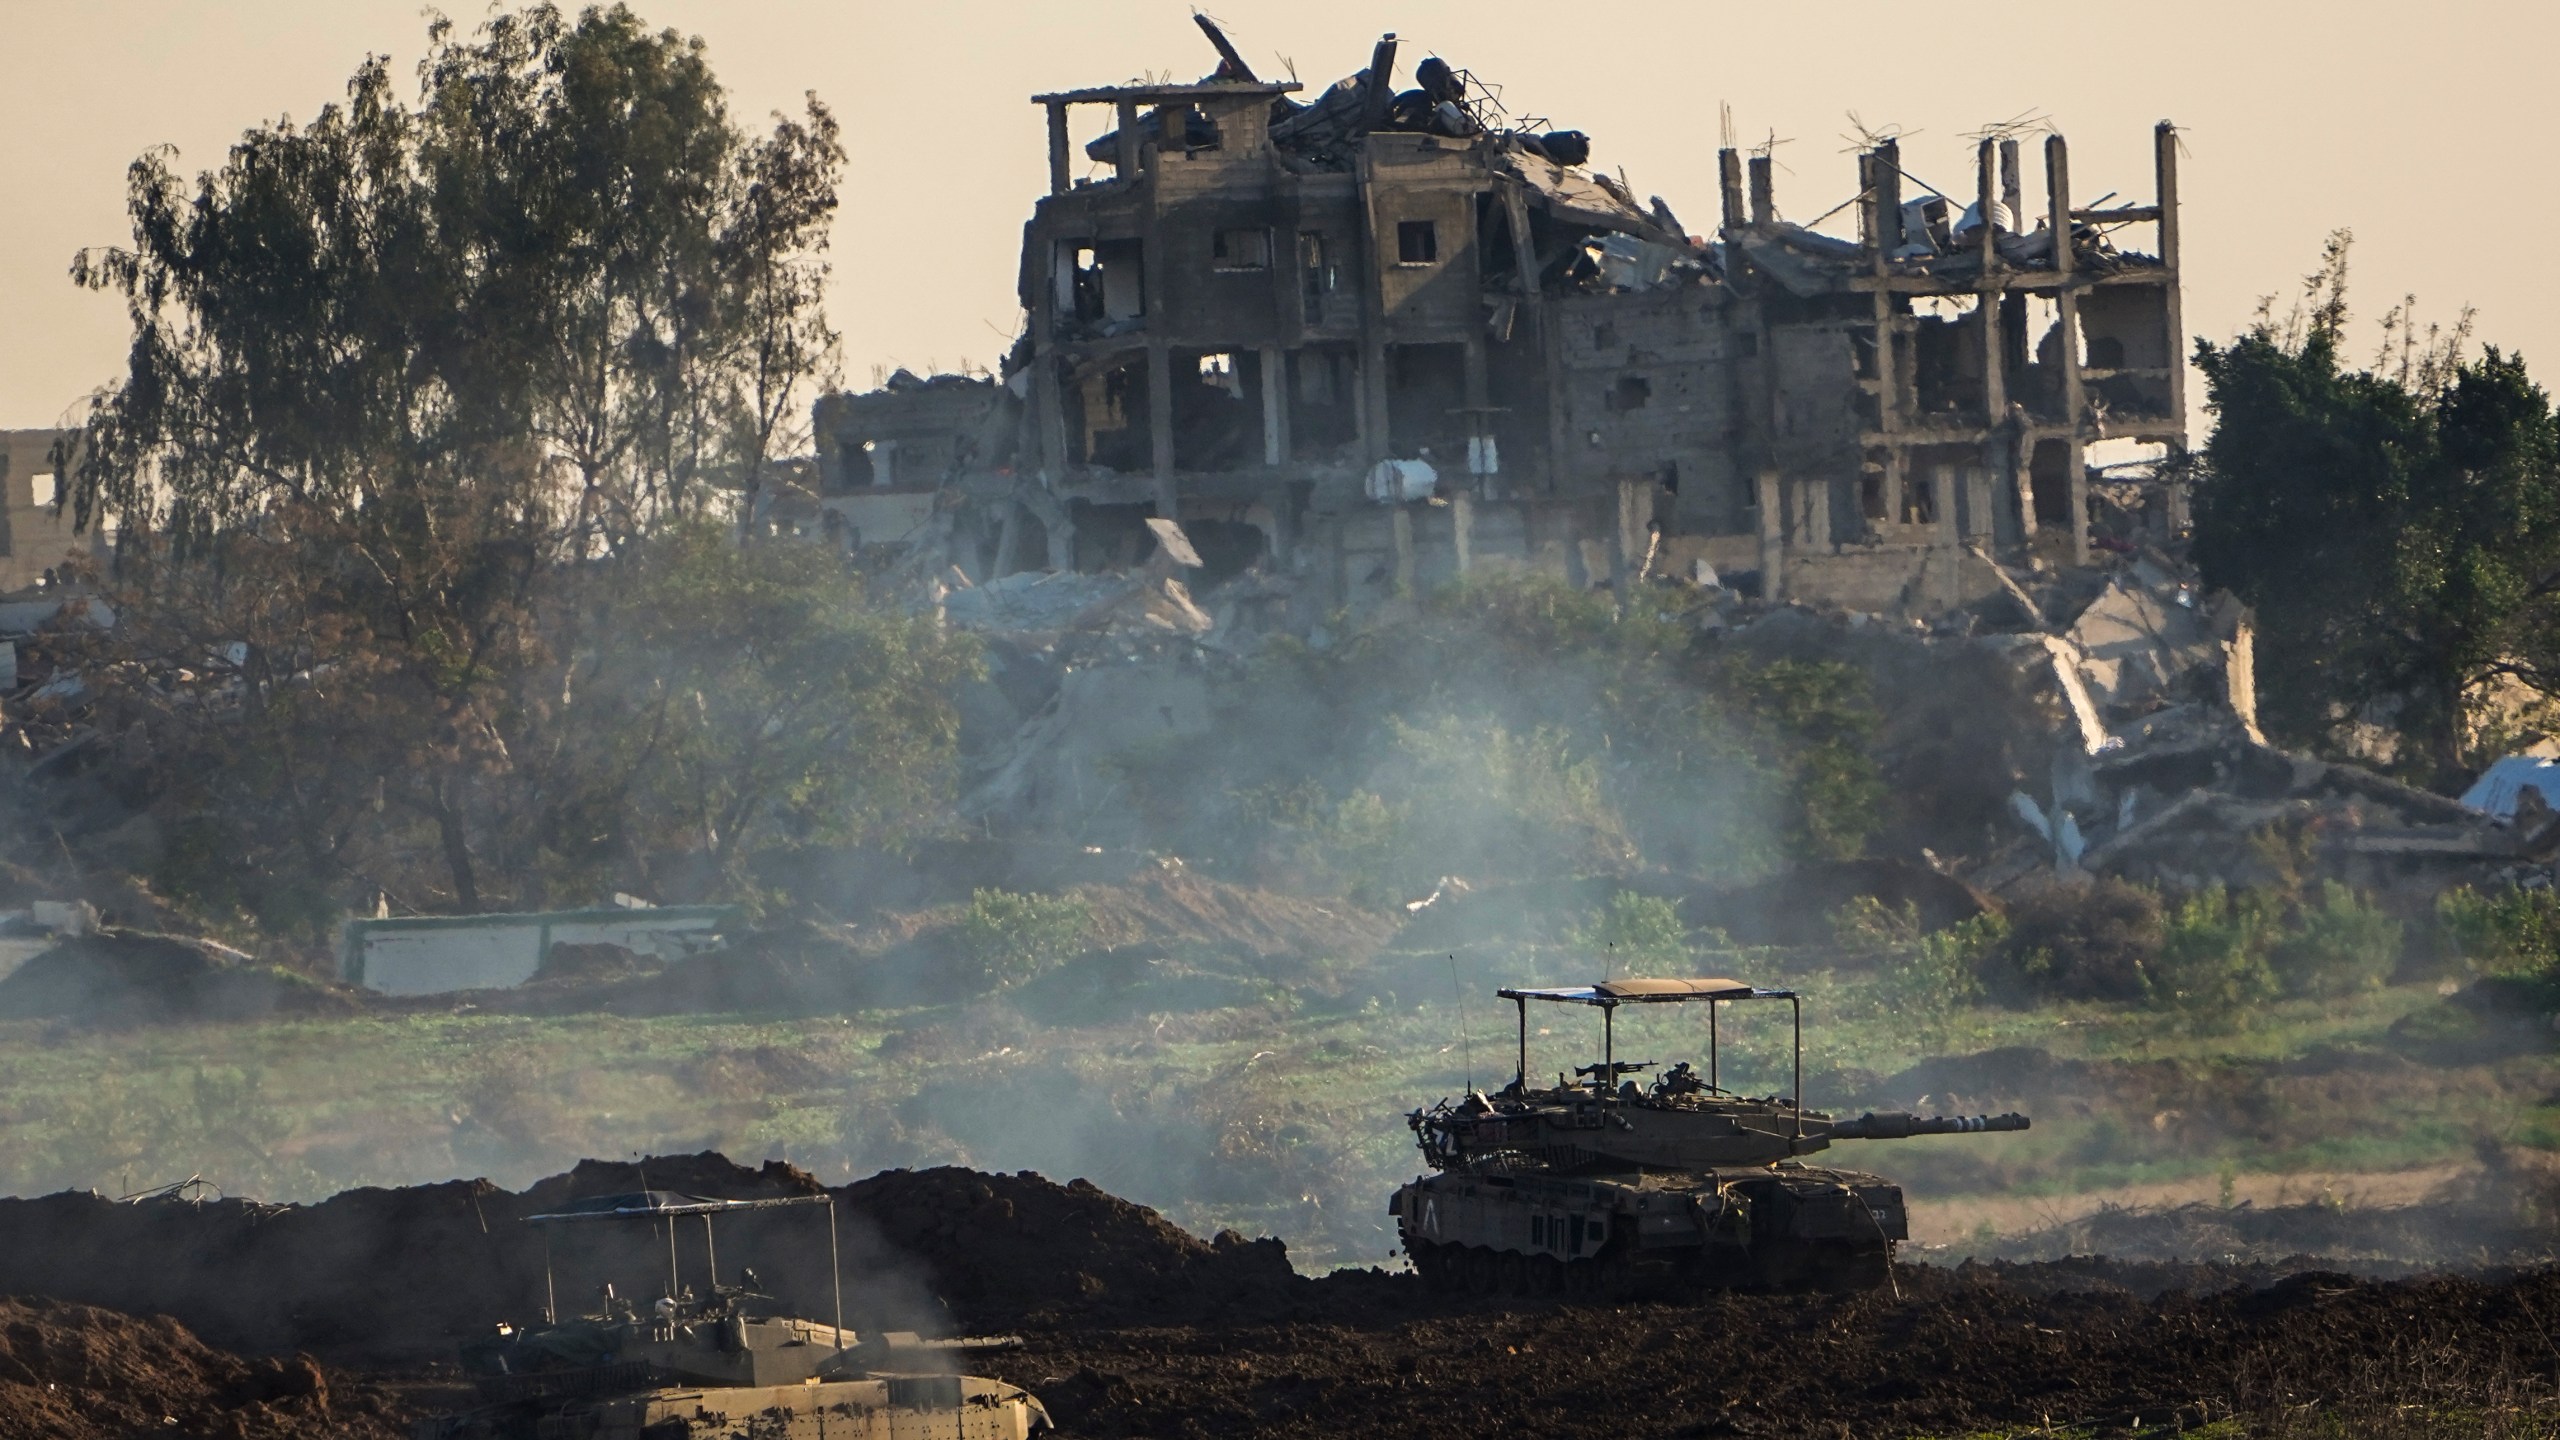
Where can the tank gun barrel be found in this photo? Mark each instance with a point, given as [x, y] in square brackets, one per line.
[1896, 1125]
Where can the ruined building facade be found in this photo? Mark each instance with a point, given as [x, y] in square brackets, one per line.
[1372, 341]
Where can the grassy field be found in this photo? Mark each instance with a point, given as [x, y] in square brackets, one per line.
[1276, 1115]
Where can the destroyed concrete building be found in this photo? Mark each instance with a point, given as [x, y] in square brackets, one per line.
[1374, 339]
[36, 539]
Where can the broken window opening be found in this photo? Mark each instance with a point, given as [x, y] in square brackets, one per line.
[1243, 249]
[1871, 494]
[1630, 393]
[2041, 386]
[1919, 500]
[1217, 415]
[1316, 279]
[1948, 376]
[1604, 336]
[1426, 403]
[2049, 481]
[880, 461]
[1110, 413]
[853, 463]
[1322, 416]
[1417, 242]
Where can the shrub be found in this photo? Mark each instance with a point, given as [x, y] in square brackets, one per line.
[2213, 957]
[1924, 978]
[1637, 933]
[1013, 937]
[2341, 945]
[2506, 932]
[2092, 942]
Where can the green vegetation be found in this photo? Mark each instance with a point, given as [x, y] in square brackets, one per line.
[1637, 935]
[2509, 932]
[1272, 1113]
[1009, 938]
[2395, 527]
[429, 478]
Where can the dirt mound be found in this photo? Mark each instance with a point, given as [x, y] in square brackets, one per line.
[399, 1276]
[127, 977]
[73, 1372]
[799, 967]
[1172, 905]
[1023, 1246]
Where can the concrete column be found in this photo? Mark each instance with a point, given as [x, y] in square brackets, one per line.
[2021, 462]
[1813, 513]
[1995, 370]
[1764, 192]
[1008, 543]
[2057, 179]
[1977, 503]
[1773, 540]
[1729, 178]
[1373, 388]
[1462, 529]
[1127, 116]
[1275, 406]
[1403, 525]
[2164, 142]
[2013, 185]
[1631, 536]
[1160, 427]
[1059, 179]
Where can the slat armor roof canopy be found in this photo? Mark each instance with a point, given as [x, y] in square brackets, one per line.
[654, 1203]
[1621, 992]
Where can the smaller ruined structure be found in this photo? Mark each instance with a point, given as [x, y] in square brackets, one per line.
[36, 537]
[1368, 340]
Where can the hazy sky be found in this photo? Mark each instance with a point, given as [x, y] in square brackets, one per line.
[2422, 128]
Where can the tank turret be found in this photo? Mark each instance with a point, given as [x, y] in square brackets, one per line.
[1610, 1182]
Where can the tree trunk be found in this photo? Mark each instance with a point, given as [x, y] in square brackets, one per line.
[457, 856]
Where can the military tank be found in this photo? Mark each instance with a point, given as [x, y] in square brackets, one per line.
[1601, 1185]
[719, 1366]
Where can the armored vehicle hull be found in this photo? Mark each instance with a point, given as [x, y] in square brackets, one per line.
[1786, 1226]
[881, 1407]
[1608, 1187]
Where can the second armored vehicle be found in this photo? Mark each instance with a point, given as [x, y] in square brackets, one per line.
[722, 1366]
[1605, 1186]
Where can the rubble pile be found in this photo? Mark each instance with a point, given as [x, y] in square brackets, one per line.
[2138, 754]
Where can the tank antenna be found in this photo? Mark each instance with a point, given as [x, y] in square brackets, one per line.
[1465, 1051]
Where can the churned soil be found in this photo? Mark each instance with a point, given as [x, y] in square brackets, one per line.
[1130, 1326]
[74, 1372]
[1953, 1352]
